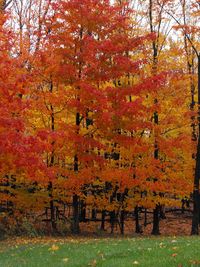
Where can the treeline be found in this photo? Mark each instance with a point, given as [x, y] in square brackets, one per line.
[98, 114]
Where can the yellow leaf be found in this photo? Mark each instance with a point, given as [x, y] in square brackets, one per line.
[93, 263]
[54, 248]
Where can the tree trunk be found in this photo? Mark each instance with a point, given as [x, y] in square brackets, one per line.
[94, 214]
[103, 215]
[156, 230]
[137, 223]
[53, 219]
[156, 219]
[112, 221]
[51, 163]
[145, 217]
[122, 222]
[162, 212]
[52, 209]
[155, 45]
[75, 222]
[196, 196]
[82, 211]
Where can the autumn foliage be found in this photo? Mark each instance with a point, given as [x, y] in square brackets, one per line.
[80, 94]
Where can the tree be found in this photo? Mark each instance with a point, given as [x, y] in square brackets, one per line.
[20, 153]
[188, 33]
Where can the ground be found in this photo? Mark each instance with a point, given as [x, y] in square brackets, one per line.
[102, 252]
[175, 223]
[173, 248]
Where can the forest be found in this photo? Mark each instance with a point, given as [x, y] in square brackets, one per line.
[99, 116]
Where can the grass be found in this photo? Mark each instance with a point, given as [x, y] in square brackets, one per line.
[127, 252]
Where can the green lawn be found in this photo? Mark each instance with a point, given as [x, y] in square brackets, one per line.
[147, 252]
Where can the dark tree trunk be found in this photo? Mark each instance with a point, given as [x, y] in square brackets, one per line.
[183, 206]
[53, 218]
[122, 217]
[112, 221]
[94, 214]
[103, 216]
[52, 209]
[138, 229]
[75, 222]
[162, 212]
[196, 197]
[75, 205]
[145, 217]
[156, 120]
[82, 211]
[156, 219]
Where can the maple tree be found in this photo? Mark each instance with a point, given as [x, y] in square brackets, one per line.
[191, 48]
[20, 152]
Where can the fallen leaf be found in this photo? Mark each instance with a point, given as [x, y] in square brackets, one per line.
[54, 248]
[194, 261]
[65, 260]
[161, 245]
[93, 263]
[174, 255]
